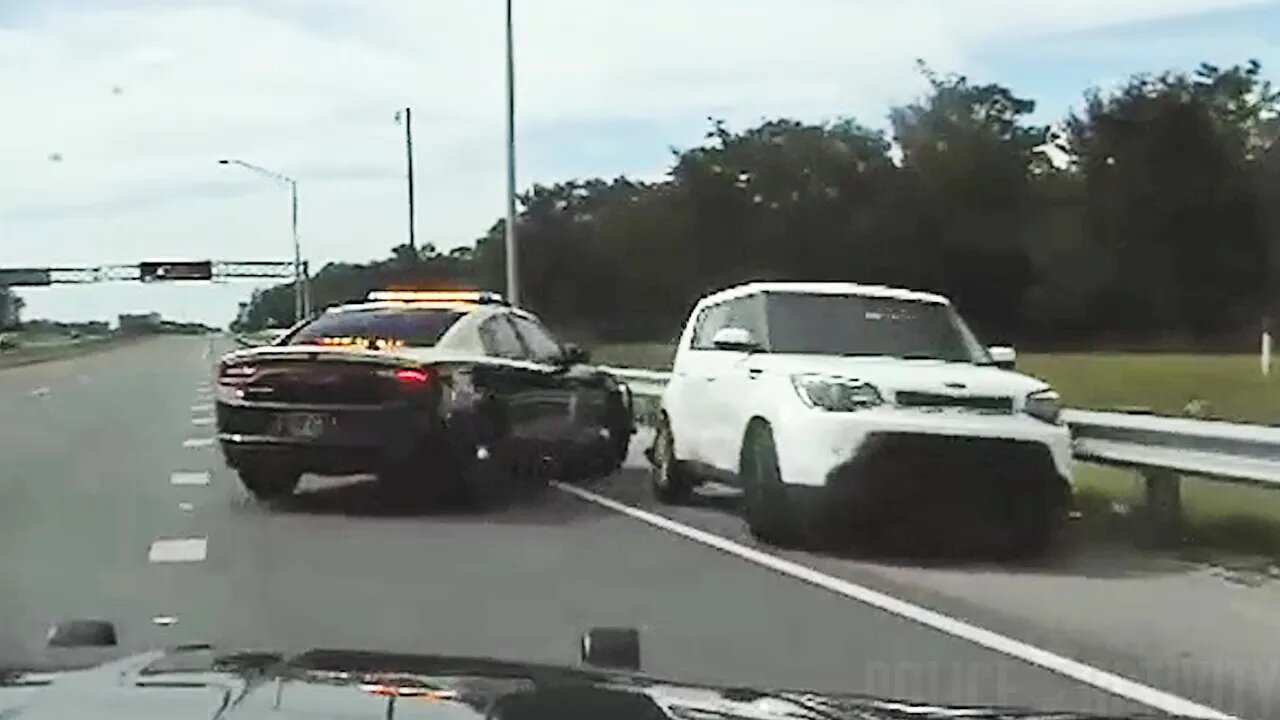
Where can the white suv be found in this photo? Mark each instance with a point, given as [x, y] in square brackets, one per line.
[843, 410]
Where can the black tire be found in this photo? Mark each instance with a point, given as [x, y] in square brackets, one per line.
[670, 480]
[619, 448]
[269, 483]
[765, 504]
[484, 479]
[1040, 528]
[598, 460]
[405, 481]
[530, 474]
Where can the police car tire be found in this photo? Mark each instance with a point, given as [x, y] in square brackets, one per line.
[269, 483]
[485, 483]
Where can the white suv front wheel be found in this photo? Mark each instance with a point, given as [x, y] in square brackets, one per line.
[765, 503]
[670, 480]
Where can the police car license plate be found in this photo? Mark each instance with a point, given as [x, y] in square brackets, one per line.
[302, 425]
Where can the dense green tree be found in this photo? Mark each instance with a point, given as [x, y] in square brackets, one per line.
[1149, 215]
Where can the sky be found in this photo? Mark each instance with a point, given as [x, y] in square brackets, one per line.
[117, 111]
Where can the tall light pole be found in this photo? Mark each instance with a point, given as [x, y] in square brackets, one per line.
[407, 115]
[301, 298]
[513, 284]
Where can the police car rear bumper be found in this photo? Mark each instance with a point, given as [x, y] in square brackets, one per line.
[349, 441]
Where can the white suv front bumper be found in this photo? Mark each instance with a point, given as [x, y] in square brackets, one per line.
[812, 444]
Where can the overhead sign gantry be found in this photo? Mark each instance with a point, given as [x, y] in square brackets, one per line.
[147, 271]
[150, 271]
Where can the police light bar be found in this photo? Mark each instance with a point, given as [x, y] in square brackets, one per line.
[454, 296]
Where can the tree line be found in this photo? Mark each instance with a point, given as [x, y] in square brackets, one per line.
[10, 308]
[1149, 216]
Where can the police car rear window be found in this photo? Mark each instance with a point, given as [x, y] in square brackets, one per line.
[411, 328]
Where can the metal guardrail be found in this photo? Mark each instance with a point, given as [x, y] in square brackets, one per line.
[1163, 449]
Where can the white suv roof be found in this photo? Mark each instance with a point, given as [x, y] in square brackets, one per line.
[824, 288]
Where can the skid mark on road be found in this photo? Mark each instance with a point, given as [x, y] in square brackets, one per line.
[1087, 674]
[176, 550]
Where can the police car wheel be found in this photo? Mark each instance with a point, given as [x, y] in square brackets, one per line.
[484, 478]
[266, 483]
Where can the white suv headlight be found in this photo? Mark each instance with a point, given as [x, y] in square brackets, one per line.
[1045, 405]
[827, 392]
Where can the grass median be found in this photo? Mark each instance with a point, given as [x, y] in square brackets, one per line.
[30, 355]
[1221, 518]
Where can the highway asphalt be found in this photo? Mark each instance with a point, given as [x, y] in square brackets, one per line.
[114, 505]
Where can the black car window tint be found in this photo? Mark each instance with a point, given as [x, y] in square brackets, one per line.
[542, 346]
[414, 328]
[500, 339]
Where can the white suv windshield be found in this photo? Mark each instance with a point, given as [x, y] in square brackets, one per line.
[858, 325]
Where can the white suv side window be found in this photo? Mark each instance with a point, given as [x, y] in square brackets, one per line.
[748, 313]
[710, 320]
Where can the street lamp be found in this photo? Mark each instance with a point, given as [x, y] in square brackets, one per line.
[513, 285]
[301, 299]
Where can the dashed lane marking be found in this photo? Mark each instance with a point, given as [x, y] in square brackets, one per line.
[1087, 674]
[189, 478]
[202, 421]
[177, 550]
[197, 442]
[202, 407]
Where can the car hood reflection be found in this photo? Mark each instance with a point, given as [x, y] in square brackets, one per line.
[197, 682]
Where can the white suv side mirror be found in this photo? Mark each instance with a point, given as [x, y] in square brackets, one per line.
[1003, 356]
[734, 338]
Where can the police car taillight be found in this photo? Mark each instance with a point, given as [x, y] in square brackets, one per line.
[236, 374]
[413, 378]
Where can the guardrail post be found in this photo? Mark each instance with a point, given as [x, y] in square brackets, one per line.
[1163, 511]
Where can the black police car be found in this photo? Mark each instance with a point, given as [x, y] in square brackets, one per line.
[454, 394]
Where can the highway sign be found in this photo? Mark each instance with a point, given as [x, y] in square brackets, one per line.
[175, 270]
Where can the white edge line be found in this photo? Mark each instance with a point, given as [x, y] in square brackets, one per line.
[174, 550]
[1087, 674]
[189, 477]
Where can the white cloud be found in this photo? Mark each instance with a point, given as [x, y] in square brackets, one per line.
[310, 87]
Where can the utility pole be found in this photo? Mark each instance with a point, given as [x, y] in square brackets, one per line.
[513, 284]
[408, 149]
[301, 279]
